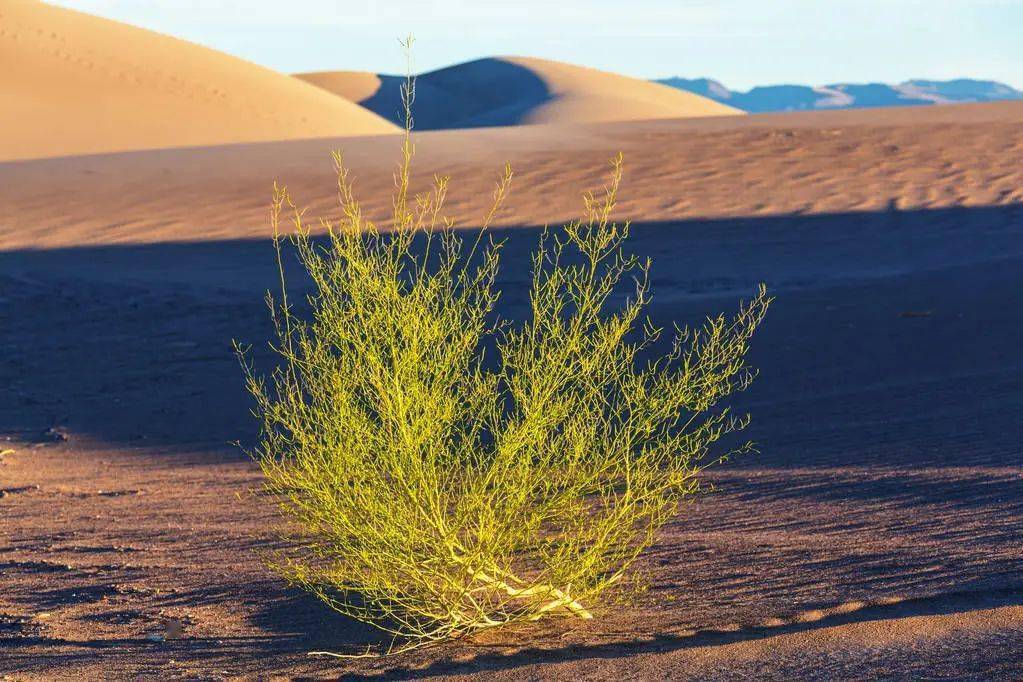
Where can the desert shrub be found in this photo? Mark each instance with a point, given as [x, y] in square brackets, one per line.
[448, 471]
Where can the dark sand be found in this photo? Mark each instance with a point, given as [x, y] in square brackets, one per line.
[879, 534]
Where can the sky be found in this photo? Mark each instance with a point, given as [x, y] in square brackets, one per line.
[738, 42]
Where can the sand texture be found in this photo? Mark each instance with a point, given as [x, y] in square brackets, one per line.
[761, 165]
[74, 84]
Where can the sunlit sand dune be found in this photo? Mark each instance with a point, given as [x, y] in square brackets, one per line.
[504, 91]
[73, 83]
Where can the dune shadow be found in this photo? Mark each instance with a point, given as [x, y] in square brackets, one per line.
[481, 93]
[893, 338]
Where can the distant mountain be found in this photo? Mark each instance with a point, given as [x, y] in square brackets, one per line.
[847, 95]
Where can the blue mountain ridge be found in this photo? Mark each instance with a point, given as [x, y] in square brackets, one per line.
[766, 98]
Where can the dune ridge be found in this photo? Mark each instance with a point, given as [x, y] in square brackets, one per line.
[504, 91]
[81, 84]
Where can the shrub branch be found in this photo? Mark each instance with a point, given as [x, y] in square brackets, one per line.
[444, 471]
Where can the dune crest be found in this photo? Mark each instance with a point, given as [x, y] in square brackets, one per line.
[77, 84]
[503, 91]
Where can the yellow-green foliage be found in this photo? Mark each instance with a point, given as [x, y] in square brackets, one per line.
[438, 493]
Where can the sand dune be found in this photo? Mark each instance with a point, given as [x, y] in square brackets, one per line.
[505, 91]
[73, 84]
[765, 164]
[356, 86]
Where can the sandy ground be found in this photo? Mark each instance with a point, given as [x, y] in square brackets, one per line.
[769, 164]
[878, 535]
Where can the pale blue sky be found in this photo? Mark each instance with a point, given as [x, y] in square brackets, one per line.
[740, 42]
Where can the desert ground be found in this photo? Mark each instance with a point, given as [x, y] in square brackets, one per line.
[877, 534]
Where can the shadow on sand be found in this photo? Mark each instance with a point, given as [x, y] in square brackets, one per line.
[959, 603]
[352, 638]
[894, 336]
[480, 93]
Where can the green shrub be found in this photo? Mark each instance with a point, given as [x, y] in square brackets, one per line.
[440, 489]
